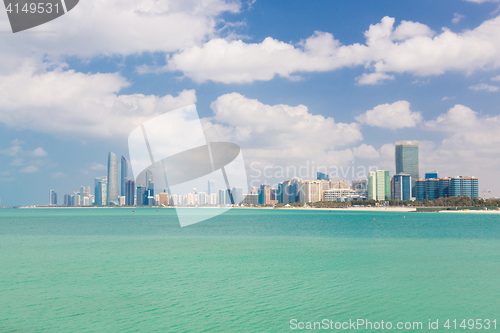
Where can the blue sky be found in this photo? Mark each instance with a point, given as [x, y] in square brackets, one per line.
[329, 83]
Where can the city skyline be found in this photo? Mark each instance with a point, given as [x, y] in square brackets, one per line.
[379, 185]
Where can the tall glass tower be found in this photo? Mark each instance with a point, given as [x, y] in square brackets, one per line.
[123, 178]
[100, 191]
[407, 160]
[211, 187]
[112, 188]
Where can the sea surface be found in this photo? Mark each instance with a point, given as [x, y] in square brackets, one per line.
[247, 270]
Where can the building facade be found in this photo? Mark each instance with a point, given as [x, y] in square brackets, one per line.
[379, 185]
[112, 187]
[430, 189]
[401, 187]
[52, 198]
[407, 160]
[100, 191]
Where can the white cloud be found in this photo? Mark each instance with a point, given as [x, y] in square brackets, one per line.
[239, 62]
[97, 166]
[394, 116]
[484, 86]
[29, 169]
[496, 78]
[38, 152]
[68, 102]
[373, 78]
[468, 129]
[470, 147]
[410, 47]
[122, 27]
[281, 134]
[366, 152]
[56, 175]
[17, 162]
[457, 18]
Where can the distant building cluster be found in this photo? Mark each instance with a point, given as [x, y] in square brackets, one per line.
[117, 189]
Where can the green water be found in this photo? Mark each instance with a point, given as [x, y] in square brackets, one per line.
[114, 270]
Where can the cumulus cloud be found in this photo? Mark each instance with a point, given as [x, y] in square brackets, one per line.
[468, 129]
[496, 78]
[470, 147]
[68, 102]
[410, 47]
[39, 152]
[366, 152]
[394, 116]
[457, 18]
[56, 175]
[284, 134]
[484, 86]
[373, 78]
[122, 27]
[29, 169]
[97, 166]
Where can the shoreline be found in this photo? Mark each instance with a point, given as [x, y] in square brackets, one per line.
[346, 209]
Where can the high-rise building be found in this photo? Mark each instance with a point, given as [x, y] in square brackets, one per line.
[407, 160]
[360, 186]
[322, 176]
[112, 188]
[211, 187]
[222, 197]
[129, 192]
[280, 193]
[67, 200]
[163, 199]
[151, 189]
[313, 190]
[149, 178]
[229, 197]
[379, 185]
[100, 191]
[430, 189]
[401, 187]
[237, 195]
[123, 176]
[142, 196]
[264, 195]
[53, 198]
[274, 195]
[431, 175]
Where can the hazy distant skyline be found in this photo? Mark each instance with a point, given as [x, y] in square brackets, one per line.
[334, 83]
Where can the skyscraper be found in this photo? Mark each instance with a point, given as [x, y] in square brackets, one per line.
[100, 191]
[407, 160]
[237, 195]
[401, 187]
[112, 188]
[322, 176]
[129, 192]
[149, 178]
[123, 177]
[379, 185]
[142, 196]
[53, 198]
[211, 187]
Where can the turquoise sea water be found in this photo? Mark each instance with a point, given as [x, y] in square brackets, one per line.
[114, 270]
